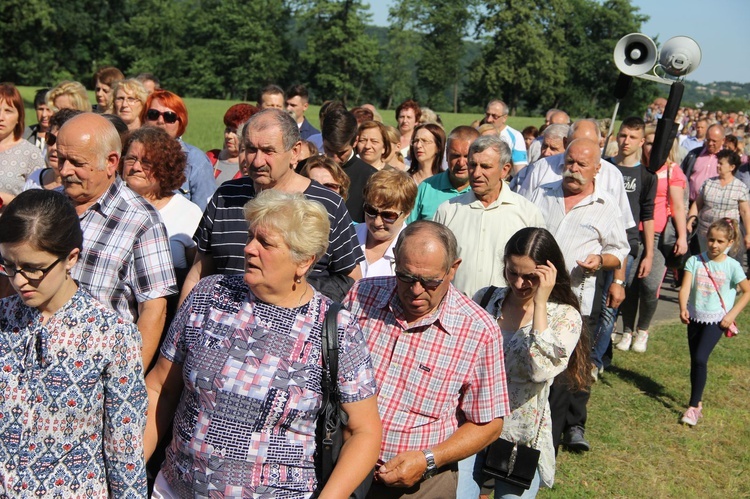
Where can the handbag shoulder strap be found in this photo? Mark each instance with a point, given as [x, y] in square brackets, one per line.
[718, 291]
[541, 422]
[330, 351]
[486, 297]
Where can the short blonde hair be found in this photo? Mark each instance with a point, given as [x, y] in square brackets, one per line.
[487, 127]
[73, 89]
[132, 87]
[302, 223]
[390, 187]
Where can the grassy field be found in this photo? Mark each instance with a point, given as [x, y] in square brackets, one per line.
[205, 127]
[639, 449]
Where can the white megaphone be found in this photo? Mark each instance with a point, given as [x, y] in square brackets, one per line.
[635, 54]
[679, 56]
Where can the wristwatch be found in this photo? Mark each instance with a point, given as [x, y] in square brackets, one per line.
[431, 468]
[618, 281]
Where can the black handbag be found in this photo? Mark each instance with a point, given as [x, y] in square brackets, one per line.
[332, 419]
[512, 462]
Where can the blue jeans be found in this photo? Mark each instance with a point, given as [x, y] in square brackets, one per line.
[608, 316]
[470, 477]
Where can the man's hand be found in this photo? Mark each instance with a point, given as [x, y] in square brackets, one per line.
[644, 268]
[615, 296]
[404, 470]
[591, 264]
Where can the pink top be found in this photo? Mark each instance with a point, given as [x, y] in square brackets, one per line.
[704, 169]
[661, 206]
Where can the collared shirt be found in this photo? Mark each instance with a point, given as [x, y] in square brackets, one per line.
[452, 359]
[482, 233]
[690, 143]
[549, 170]
[245, 424]
[74, 402]
[126, 258]
[703, 169]
[593, 226]
[382, 266]
[433, 192]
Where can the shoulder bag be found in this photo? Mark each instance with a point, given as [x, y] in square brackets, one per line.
[732, 330]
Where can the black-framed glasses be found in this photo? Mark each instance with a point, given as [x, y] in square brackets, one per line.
[409, 279]
[30, 274]
[50, 138]
[130, 162]
[169, 116]
[387, 216]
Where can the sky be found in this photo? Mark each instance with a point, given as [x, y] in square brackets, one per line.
[721, 28]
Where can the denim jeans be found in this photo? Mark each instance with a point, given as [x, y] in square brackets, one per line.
[470, 477]
[608, 316]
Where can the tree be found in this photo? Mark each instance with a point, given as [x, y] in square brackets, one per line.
[339, 57]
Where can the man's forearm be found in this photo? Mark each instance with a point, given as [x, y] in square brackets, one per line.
[151, 317]
[468, 439]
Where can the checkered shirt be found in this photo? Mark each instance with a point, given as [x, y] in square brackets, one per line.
[126, 258]
[425, 372]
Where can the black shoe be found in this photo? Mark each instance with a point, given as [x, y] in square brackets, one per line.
[573, 439]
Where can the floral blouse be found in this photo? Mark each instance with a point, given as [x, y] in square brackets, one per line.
[72, 402]
[532, 360]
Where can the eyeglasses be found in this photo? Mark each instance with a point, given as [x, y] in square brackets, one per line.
[30, 274]
[386, 215]
[50, 138]
[423, 142]
[495, 116]
[130, 162]
[431, 284]
[169, 116]
[132, 101]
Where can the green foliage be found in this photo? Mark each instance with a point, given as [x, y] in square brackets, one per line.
[728, 105]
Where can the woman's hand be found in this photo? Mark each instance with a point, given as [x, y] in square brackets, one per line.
[547, 277]
[681, 247]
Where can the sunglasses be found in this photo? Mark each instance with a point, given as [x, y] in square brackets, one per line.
[169, 116]
[387, 216]
[50, 138]
[431, 284]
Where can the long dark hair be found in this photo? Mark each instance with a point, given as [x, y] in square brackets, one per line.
[540, 245]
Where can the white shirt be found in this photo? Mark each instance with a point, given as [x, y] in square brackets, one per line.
[515, 141]
[181, 217]
[381, 267]
[482, 234]
[588, 228]
[549, 170]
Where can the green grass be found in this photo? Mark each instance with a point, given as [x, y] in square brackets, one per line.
[206, 128]
[639, 449]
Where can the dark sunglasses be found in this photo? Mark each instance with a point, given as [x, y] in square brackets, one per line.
[169, 116]
[387, 216]
[431, 284]
[50, 138]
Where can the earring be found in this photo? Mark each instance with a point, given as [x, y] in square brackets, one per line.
[298, 280]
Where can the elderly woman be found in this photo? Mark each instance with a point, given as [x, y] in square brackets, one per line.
[129, 99]
[69, 95]
[241, 365]
[327, 173]
[104, 81]
[541, 323]
[373, 145]
[167, 110]
[226, 162]
[389, 198]
[153, 166]
[426, 151]
[74, 400]
[49, 177]
[18, 157]
[720, 197]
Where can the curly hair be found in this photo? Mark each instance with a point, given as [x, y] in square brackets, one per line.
[73, 89]
[238, 114]
[410, 104]
[163, 152]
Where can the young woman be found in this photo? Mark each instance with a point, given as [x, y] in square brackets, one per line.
[708, 290]
[539, 316]
[74, 399]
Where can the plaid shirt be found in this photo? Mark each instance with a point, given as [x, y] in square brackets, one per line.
[126, 258]
[451, 360]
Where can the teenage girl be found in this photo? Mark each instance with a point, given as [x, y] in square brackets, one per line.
[704, 310]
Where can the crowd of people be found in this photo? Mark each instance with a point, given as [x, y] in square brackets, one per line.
[165, 308]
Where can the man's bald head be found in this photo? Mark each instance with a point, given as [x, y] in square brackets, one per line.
[96, 131]
[559, 118]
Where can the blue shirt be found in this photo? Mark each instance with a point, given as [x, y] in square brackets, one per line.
[431, 194]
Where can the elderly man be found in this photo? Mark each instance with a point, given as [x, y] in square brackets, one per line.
[126, 262]
[496, 114]
[586, 224]
[450, 183]
[700, 163]
[553, 117]
[271, 147]
[484, 218]
[436, 355]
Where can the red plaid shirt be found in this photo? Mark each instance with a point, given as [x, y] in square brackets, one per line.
[451, 360]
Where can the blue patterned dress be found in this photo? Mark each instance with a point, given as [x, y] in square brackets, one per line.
[72, 402]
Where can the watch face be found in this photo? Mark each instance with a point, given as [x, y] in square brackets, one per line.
[430, 472]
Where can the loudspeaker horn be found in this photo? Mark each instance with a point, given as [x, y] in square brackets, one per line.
[680, 56]
[635, 54]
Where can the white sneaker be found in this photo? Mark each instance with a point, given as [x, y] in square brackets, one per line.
[640, 340]
[625, 342]
[616, 337]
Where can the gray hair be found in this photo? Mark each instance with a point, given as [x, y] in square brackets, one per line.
[578, 123]
[557, 132]
[437, 232]
[484, 142]
[272, 117]
[498, 101]
[302, 223]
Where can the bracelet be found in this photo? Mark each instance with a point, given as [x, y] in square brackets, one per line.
[601, 264]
